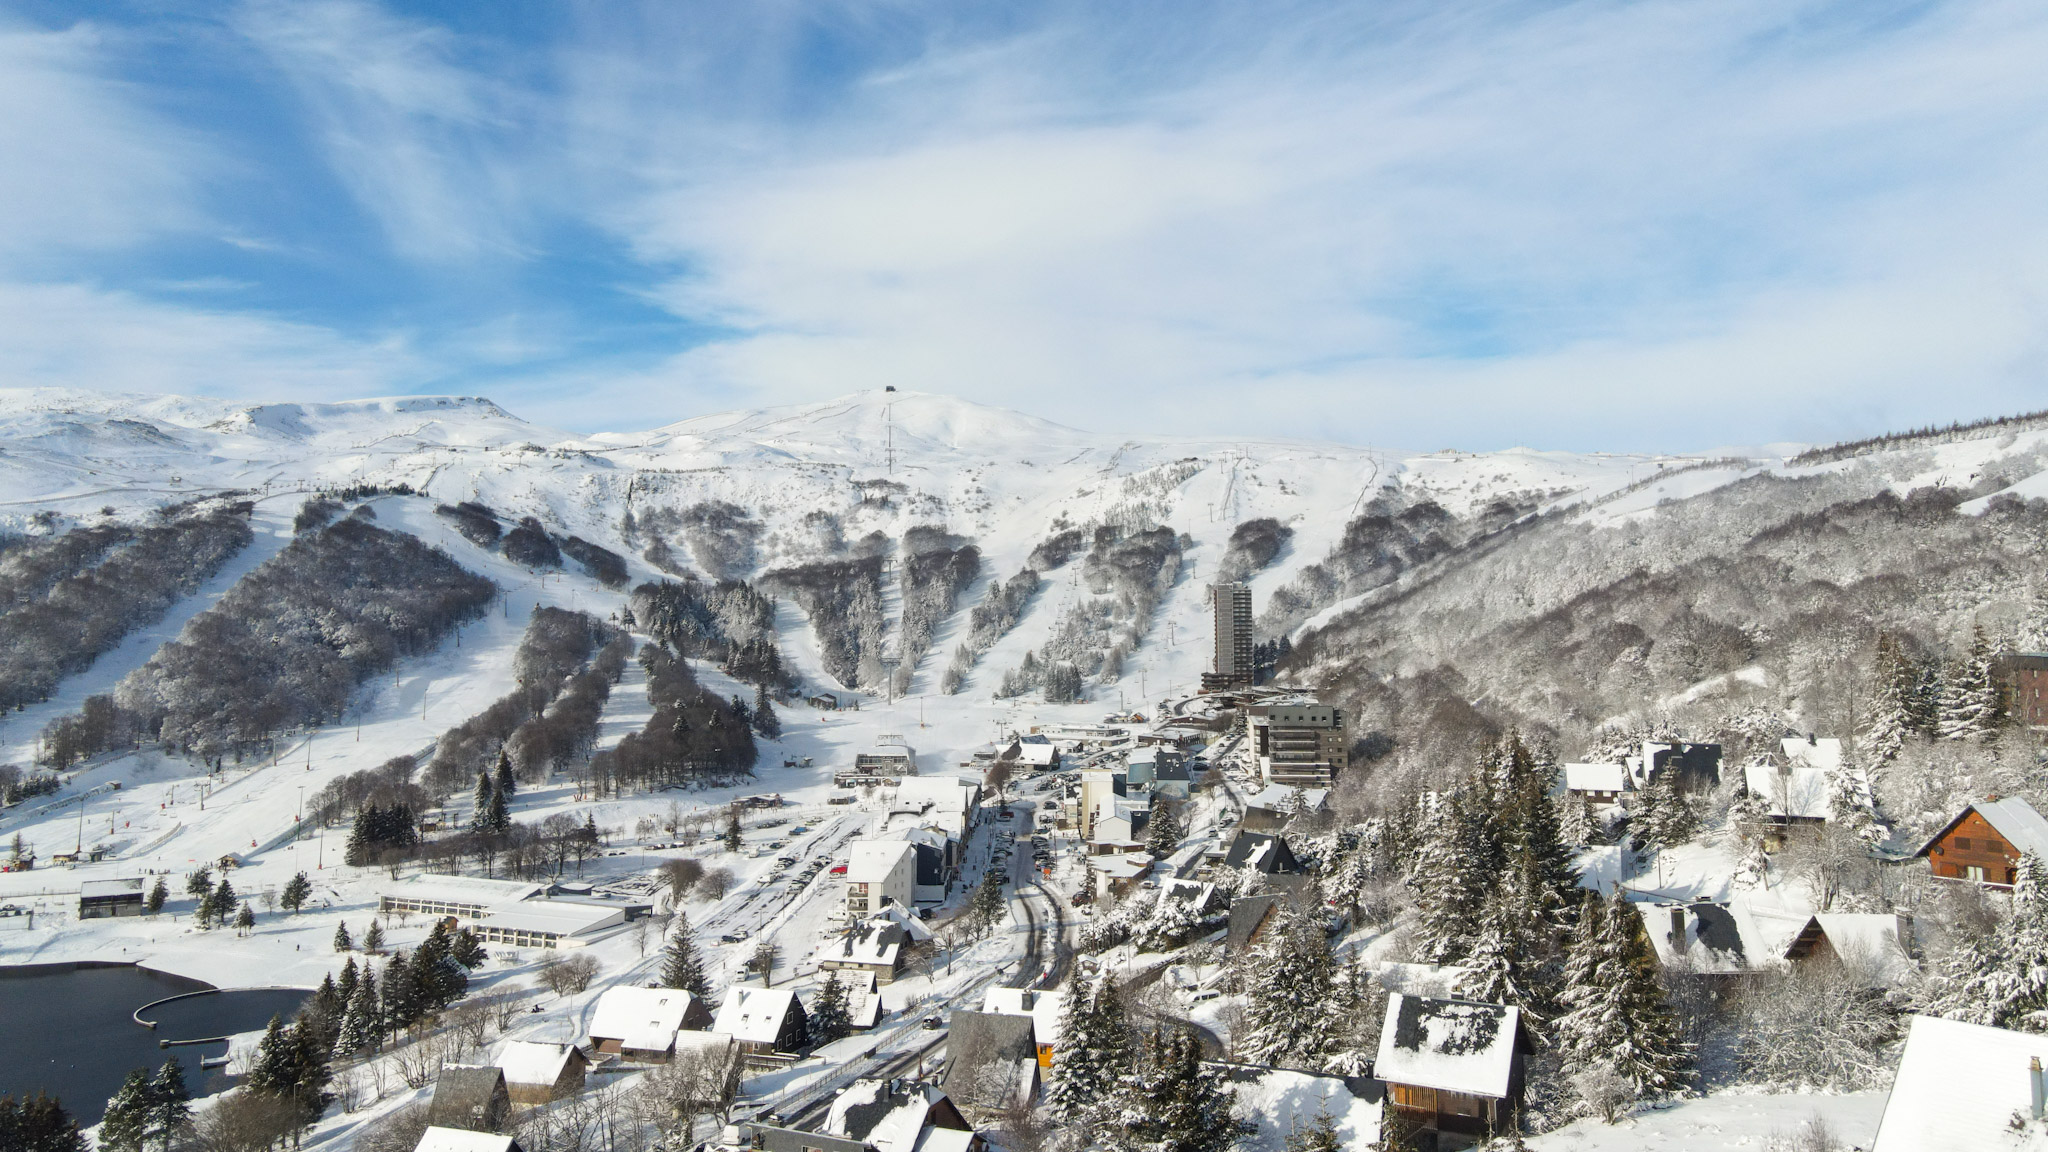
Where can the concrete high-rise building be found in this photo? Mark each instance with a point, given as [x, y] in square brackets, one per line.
[1300, 744]
[1232, 665]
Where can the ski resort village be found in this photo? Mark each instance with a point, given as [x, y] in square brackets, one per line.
[899, 774]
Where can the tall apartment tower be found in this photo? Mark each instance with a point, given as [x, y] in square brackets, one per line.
[1232, 666]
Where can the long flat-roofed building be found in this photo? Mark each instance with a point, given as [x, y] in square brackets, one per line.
[468, 897]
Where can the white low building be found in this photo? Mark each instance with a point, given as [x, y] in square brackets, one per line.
[467, 897]
[1966, 1086]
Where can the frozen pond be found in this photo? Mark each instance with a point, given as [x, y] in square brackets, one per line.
[68, 1029]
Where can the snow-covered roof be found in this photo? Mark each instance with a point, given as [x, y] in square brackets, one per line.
[1276, 797]
[871, 861]
[1823, 754]
[1037, 755]
[525, 1062]
[2017, 821]
[436, 1139]
[1598, 778]
[1868, 940]
[1043, 1008]
[1194, 893]
[1453, 1045]
[1958, 1086]
[950, 793]
[1799, 793]
[99, 889]
[1121, 865]
[1260, 853]
[644, 1019]
[863, 997]
[886, 1121]
[754, 1015]
[867, 942]
[915, 928]
[466, 889]
[714, 1046]
[1718, 939]
[560, 917]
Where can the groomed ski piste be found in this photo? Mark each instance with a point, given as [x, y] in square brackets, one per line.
[999, 479]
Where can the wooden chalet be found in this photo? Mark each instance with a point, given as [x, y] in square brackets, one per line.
[1453, 1068]
[538, 1073]
[471, 1097]
[1985, 841]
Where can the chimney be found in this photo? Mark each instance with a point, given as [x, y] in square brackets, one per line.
[1678, 927]
[2034, 1078]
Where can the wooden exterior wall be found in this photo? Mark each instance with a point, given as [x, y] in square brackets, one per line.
[1973, 843]
[1444, 1111]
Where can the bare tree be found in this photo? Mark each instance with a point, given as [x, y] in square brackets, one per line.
[245, 1121]
[566, 977]
[398, 1132]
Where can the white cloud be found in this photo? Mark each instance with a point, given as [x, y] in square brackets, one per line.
[1667, 223]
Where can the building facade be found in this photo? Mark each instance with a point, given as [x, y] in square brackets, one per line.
[1231, 665]
[1301, 745]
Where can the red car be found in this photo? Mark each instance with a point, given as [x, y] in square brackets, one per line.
[837, 870]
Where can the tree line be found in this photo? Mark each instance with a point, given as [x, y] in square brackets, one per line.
[118, 580]
[285, 648]
[1000, 609]
[936, 569]
[843, 599]
[693, 738]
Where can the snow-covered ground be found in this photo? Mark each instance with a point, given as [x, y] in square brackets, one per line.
[1726, 1120]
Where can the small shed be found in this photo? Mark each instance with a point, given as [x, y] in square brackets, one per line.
[1452, 1067]
[1984, 842]
[470, 1096]
[539, 1073]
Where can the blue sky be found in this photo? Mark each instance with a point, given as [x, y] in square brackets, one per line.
[1596, 225]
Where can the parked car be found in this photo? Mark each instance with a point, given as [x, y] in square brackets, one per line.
[933, 1023]
[839, 870]
[733, 938]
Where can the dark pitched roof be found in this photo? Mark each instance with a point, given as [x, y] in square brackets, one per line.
[1261, 853]
[989, 1058]
[469, 1097]
[1246, 914]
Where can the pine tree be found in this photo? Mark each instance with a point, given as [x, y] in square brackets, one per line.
[342, 942]
[1849, 800]
[1288, 987]
[1664, 816]
[345, 985]
[507, 786]
[402, 1000]
[681, 966]
[1457, 858]
[732, 829]
[1320, 1135]
[38, 1124]
[245, 920]
[829, 1019]
[126, 1123]
[1615, 1014]
[1093, 1054]
[1509, 958]
[1891, 720]
[1180, 1106]
[296, 892]
[199, 882]
[480, 805]
[170, 1107]
[766, 722]
[1163, 834]
[224, 901]
[2001, 980]
[467, 949]
[500, 815]
[273, 1072]
[361, 842]
[159, 893]
[373, 940]
[441, 981]
[360, 1021]
[988, 906]
[1969, 698]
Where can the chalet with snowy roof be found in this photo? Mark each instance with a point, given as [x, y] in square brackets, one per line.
[991, 1061]
[1121, 826]
[1984, 842]
[1452, 1067]
[1717, 941]
[1263, 853]
[1271, 808]
[1202, 898]
[1792, 796]
[763, 1021]
[1121, 873]
[1875, 947]
[641, 1023]
[716, 1057]
[875, 947]
[1042, 1007]
[953, 796]
[103, 898]
[877, 1116]
[1698, 765]
[1599, 785]
[1966, 1086]
[470, 1096]
[438, 1139]
[1173, 780]
[863, 998]
[538, 1073]
[934, 864]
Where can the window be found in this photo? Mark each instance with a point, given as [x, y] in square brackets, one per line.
[1994, 846]
[1963, 842]
[1973, 872]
